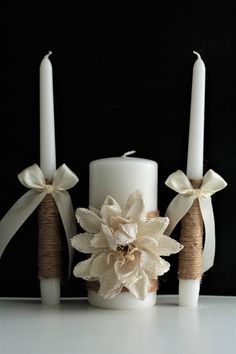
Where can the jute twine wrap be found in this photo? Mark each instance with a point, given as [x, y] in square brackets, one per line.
[94, 285]
[191, 236]
[49, 243]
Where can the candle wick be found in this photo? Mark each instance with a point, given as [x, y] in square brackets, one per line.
[128, 153]
[49, 53]
[198, 55]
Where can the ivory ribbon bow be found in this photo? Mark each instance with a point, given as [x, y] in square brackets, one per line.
[179, 206]
[32, 177]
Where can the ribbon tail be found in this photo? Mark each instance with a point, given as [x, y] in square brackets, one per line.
[208, 254]
[17, 215]
[176, 210]
[66, 210]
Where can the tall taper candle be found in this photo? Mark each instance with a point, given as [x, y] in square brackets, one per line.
[47, 127]
[189, 289]
[196, 127]
[50, 287]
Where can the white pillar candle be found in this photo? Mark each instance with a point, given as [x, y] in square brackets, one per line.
[189, 289]
[119, 177]
[50, 288]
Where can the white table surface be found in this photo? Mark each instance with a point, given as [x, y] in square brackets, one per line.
[74, 326]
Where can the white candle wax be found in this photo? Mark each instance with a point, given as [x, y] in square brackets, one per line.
[189, 289]
[50, 288]
[196, 126]
[119, 177]
[47, 127]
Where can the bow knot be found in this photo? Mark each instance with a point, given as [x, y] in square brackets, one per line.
[197, 193]
[180, 205]
[32, 177]
[49, 188]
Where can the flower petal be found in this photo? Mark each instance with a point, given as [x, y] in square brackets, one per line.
[82, 269]
[89, 221]
[112, 203]
[115, 221]
[110, 285]
[126, 234]
[99, 241]
[128, 272]
[154, 226]
[132, 199]
[100, 266]
[149, 263]
[135, 208]
[82, 242]
[140, 288]
[167, 246]
[109, 237]
[95, 211]
[147, 243]
[162, 266]
[110, 209]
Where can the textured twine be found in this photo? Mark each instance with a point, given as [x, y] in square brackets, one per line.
[49, 243]
[152, 214]
[191, 237]
[154, 284]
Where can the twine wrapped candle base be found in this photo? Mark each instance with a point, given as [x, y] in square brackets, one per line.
[49, 251]
[193, 207]
[190, 258]
[43, 195]
[125, 300]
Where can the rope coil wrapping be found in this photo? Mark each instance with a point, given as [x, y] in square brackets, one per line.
[49, 243]
[191, 236]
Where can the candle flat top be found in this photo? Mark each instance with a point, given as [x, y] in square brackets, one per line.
[122, 159]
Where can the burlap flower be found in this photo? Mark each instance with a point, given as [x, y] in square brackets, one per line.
[125, 246]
